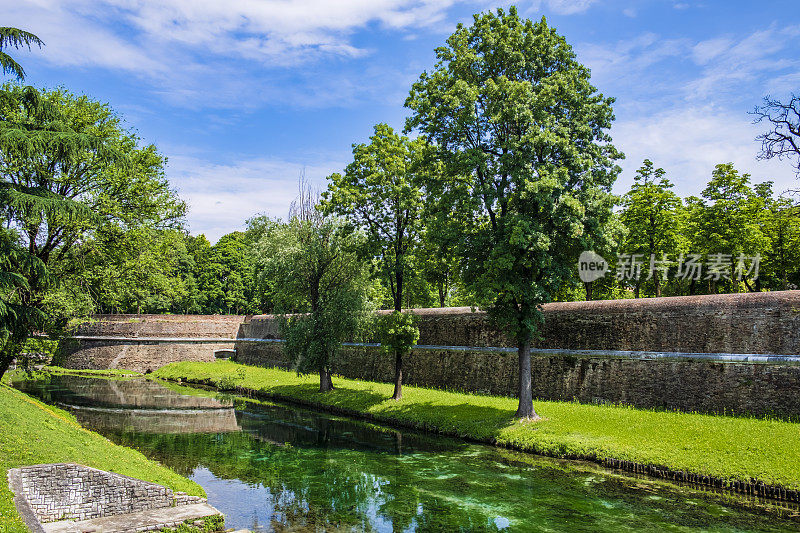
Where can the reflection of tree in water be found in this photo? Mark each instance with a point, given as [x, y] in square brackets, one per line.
[316, 482]
[322, 473]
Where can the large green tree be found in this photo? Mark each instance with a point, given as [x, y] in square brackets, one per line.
[19, 314]
[318, 283]
[68, 168]
[726, 225]
[780, 224]
[651, 213]
[380, 192]
[523, 134]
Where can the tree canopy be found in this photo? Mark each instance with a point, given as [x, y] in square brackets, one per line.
[15, 38]
[380, 192]
[522, 134]
[318, 283]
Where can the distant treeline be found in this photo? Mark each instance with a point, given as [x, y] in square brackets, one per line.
[168, 270]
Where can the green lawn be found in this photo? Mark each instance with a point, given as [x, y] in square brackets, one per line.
[725, 447]
[33, 433]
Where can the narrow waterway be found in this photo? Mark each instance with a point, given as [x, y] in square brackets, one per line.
[271, 467]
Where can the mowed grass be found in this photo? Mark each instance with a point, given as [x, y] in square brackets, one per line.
[725, 447]
[34, 433]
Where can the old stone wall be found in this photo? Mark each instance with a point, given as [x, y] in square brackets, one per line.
[75, 492]
[758, 323]
[763, 323]
[189, 326]
[141, 356]
[146, 342]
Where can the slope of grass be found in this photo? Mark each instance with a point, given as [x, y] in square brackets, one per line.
[34, 433]
[724, 447]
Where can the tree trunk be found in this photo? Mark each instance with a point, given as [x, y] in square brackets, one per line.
[658, 285]
[525, 409]
[398, 375]
[11, 350]
[325, 382]
[441, 294]
[589, 290]
[5, 362]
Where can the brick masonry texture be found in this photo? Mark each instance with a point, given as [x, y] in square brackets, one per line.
[144, 356]
[763, 323]
[75, 492]
[767, 323]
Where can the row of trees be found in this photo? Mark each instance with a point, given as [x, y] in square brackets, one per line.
[731, 222]
[508, 179]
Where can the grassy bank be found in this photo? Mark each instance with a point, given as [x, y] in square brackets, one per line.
[33, 433]
[727, 448]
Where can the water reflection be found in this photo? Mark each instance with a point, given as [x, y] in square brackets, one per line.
[290, 469]
[139, 406]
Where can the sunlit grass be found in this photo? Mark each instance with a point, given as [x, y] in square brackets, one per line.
[725, 447]
[34, 433]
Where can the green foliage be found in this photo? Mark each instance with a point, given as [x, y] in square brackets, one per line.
[398, 332]
[380, 193]
[520, 129]
[780, 222]
[528, 163]
[15, 38]
[21, 274]
[652, 215]
[69, 171]
[726, 447]
[727, 221]
[34, 433]
[313, 269]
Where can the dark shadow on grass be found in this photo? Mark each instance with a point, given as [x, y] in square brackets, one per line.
[465, 420]
[342, 396]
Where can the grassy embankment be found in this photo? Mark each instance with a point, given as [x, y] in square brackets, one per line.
[33, 433]
[727, 448]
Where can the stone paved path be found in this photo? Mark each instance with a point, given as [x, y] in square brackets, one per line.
[151, 520]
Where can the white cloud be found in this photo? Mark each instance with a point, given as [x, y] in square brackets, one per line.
[273, 32]
[728, 63]
[569, 7]
[689, 142]
[222, 196]
[232, 54]
[661, 71]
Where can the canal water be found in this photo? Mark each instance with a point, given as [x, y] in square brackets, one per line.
[272, 467]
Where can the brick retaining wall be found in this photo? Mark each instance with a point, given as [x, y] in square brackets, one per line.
[756, 323]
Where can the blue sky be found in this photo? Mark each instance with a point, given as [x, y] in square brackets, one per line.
[244, 95]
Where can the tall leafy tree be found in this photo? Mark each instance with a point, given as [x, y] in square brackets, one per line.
[16, 39]
[318, 282]
[69, 168]
[56, 147]
[779, 219]
[19, 314]
[380, 192]
[651, 215]
[727, 222]
[522, 132]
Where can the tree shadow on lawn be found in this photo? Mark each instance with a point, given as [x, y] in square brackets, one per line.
[342, 397]
[463, 419]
